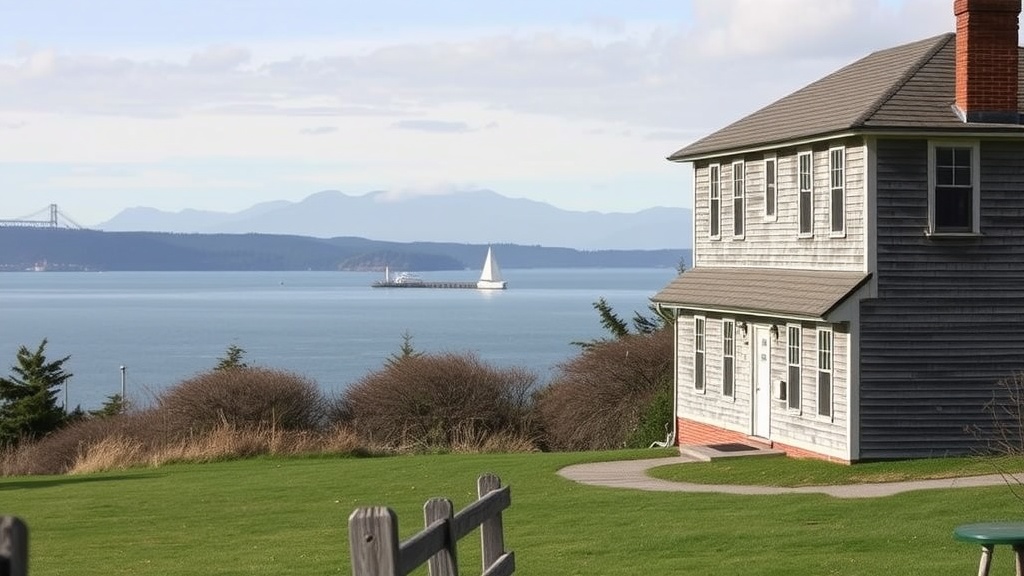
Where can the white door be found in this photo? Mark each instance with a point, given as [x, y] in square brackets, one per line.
[762, 382]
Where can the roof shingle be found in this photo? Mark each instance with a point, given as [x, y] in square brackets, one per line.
[909, 87]
[764, 291]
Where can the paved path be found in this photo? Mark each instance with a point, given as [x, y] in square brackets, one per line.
[633, 474]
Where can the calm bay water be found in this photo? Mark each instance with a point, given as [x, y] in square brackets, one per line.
[330, 326]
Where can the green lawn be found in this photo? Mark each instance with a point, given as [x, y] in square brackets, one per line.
[288, 516]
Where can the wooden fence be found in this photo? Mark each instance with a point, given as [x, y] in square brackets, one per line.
[377, 551]
[13, 547]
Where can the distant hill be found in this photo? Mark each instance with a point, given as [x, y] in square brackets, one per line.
[477, 217]
[64, 249]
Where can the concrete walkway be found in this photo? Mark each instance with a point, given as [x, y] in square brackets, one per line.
[632, 474]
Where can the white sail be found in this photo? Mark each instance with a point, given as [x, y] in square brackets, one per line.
[490, 277]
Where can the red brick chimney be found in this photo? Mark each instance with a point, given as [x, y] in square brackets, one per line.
[986, 60]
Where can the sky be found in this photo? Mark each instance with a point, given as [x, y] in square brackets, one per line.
[223, 104]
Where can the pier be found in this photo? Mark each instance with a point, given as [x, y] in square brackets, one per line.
[426, 284]
[490, 279]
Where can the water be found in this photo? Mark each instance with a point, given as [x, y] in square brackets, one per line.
[330, 326]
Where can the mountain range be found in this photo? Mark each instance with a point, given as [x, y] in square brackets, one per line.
[472, 217]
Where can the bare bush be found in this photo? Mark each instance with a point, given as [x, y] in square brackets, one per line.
[424, 401]
[1004, 433]
[243, 397]
[599, 398]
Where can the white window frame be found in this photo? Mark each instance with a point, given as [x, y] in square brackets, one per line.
[825, 366]
[836, 184]
[805, 192]
[771, 167]
[700, 358]
[729, 357]
[794, 388]
[715, 196]
[739, 199]
[975, 225]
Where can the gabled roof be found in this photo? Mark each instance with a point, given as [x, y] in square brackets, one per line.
[806, 294]
[906, 88]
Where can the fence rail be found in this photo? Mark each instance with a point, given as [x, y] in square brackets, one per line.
[13, 547]
[377, 551]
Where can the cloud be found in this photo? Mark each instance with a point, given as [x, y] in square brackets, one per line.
[220, 58]
[12, 125]
[319, 130]
[436, 126]
[735, 56]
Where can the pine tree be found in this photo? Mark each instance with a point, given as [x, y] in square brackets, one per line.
[28, 397]
[232, 359]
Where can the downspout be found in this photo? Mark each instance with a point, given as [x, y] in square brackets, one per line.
[670, 438]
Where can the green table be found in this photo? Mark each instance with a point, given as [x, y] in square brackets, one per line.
[988, 534]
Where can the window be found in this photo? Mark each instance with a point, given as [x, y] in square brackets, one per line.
[715, 196]
[698, 354]
[824, 372]
[954, 188]
[806, 185]
[728, 357]
[837, 188]
[771, 179]
[793, 359]
[738, 194]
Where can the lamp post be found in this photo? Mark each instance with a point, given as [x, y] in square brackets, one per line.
[122, 385]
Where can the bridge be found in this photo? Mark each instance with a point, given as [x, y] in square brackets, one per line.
[54, 219]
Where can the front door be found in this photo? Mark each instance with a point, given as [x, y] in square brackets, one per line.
[762, 382]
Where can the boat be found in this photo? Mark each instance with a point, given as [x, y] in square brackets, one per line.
[401, 280]
[490, 278]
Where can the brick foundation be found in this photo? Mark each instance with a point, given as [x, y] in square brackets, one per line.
[699, 434]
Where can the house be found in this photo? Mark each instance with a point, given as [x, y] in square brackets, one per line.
[858, 281]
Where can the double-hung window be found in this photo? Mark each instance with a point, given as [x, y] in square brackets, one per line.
[793, 361]
[728, 357]
[805, 181]
[715, 200]
[698, 353]
[837, 191]
[954, 196]
[825, 372]
[738, 198]
[771, 180]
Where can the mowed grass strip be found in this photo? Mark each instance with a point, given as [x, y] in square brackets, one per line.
[289, 516]
[791, 472]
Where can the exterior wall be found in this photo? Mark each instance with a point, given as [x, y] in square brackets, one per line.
[711, 417]
[949, 319]
[776, 243]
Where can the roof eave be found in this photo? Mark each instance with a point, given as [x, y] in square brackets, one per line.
[972, 131]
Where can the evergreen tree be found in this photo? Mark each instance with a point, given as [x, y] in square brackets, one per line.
[28, 397]
[232, 358]
[112, 406]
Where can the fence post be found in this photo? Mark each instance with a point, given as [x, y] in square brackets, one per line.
[13, 547]
[445, 562]
[492, 535]
[373, 540]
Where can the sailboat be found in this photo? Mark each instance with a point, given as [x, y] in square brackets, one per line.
[490, 278]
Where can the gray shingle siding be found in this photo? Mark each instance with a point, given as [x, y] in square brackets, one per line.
[949, 321]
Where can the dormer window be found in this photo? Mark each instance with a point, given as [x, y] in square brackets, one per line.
[954, 185]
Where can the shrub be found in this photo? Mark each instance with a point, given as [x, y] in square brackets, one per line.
[599, 399]
[243, 397]
[439, 401]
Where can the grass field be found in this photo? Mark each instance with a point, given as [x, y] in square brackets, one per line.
[288, 516]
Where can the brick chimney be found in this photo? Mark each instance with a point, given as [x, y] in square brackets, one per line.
[986, 60]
